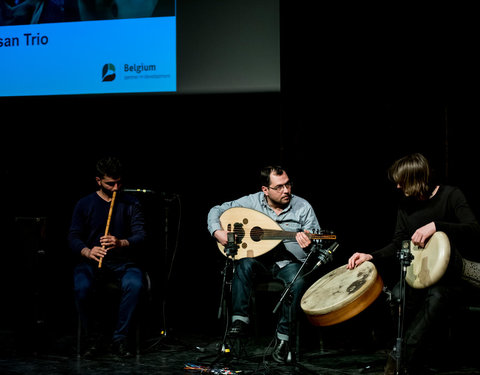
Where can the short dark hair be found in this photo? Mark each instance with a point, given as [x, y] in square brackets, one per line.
[266, 171]
[109, 166]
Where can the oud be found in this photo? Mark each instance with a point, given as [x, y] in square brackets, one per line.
[256, 233]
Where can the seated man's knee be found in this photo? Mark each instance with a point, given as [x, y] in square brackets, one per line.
[244, 265]
[82, 286]
[133, 281]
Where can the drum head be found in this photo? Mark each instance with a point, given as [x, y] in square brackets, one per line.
[430, 263]
[341, 294]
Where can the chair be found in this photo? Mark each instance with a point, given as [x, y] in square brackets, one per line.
[112, 291]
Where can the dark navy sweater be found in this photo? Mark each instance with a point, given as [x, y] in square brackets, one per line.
[89, 222]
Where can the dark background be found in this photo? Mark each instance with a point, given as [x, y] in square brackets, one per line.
[359, 88]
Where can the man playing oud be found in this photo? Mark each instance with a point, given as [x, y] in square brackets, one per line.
[293, 214]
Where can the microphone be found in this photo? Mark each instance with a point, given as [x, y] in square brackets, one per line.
[326, 256]
[166, 196]
[139, 191]
[231, 247]
[405, 255]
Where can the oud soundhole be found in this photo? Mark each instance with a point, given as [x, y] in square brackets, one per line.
[256, 234]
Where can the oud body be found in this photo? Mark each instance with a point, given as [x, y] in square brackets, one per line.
[255, 232]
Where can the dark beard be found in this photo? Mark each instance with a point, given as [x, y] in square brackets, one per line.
[108, 193]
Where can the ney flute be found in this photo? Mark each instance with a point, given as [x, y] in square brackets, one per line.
[109, 219]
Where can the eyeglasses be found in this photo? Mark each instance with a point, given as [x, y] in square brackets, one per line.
[288, 185]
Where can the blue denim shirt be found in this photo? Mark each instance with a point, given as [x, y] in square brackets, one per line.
[297, 216]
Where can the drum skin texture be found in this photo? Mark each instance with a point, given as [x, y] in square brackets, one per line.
[429, 263]
[341, 294]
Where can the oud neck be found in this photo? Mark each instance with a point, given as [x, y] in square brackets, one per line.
[284, 235]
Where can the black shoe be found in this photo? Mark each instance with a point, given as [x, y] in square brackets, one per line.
[94, 347]
[281, 352]
[91, 352]
[238, 329]
[120, 348]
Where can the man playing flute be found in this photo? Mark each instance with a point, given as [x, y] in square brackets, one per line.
[107, 255]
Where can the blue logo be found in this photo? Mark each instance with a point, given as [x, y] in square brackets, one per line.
[108, 73]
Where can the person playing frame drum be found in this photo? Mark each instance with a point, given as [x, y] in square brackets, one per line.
[424, 209]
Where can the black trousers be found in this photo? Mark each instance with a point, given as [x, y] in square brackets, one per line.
[426, 311]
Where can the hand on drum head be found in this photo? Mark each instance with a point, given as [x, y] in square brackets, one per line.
[357, 259]
[422, 234]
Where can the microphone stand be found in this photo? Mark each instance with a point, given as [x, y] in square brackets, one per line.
[167, 266]
[405, 257]
[324, 256]
[231, 250]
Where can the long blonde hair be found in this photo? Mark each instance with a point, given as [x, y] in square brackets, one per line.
[412, 173]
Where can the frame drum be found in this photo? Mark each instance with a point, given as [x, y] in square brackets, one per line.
[341, 294]
[429, 263]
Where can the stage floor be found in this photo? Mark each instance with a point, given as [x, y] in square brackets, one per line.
[173, 354]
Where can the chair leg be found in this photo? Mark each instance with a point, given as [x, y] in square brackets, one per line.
[137, 339]
[79, 337]
[253, 312]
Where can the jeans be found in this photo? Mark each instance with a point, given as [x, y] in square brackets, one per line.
[131, 283]
[246, 270]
